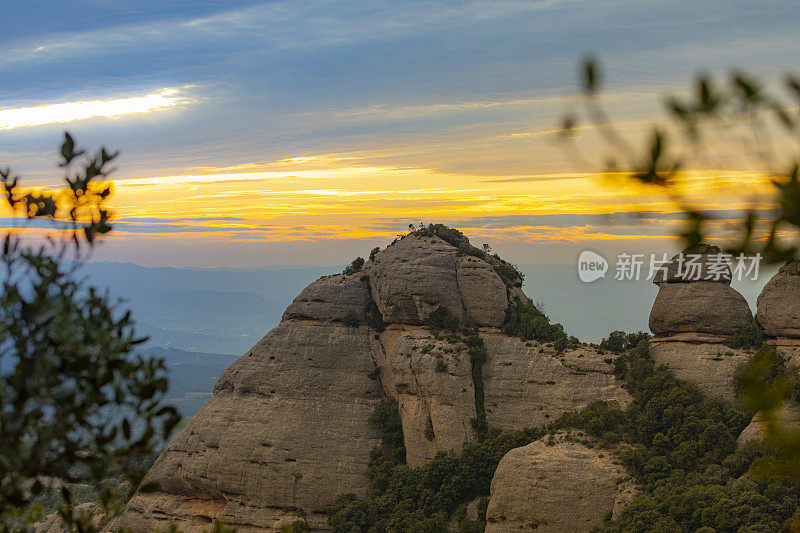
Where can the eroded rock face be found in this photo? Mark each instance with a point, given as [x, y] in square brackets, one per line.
[529, 384]
[482, 291]
[285, 429]
[709, 365]
[330, 298]
[561, 487]
[414, 276]
[779, 303]
[436, 405]
[699, 307]
[691, 319]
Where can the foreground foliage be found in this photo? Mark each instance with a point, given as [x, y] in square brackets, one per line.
[76, 407]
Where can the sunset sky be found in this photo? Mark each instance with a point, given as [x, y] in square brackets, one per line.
[306, 132]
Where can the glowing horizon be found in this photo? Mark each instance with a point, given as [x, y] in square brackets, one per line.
[285, 132]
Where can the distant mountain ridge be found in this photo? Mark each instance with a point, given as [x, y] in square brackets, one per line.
[226, 310]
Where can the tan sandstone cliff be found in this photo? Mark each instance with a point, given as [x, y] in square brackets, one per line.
[779, 310]
[556, 485]
[286, 429]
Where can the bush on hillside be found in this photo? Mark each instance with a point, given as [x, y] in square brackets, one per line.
[748, 336]
[355, 266]
[619, 341]
[524, 320]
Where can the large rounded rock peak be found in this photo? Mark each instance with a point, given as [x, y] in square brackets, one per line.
[414, 276]
[698, 307]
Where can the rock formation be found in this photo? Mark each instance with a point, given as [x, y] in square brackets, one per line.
[779, 310]
[695, 310]
[532, 484]
[702, 311]
[286, 430]
[778, 315]
[702, 262]
[528, 386]
[695, 301]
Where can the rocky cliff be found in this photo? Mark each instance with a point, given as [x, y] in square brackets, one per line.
[779, 310]
[534, 483]
[286, 430]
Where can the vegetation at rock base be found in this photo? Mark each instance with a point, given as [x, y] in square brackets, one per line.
[679, 446]
[682, 451]
[744, 114]
[767, 382]
[298, 526]
[465, 524]
[386, 419]
[423, 499]
[748, 336]
[77, 407]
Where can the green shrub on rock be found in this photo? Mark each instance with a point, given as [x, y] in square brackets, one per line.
[524, 320]
[748, 336]
[351, 319]
[442, 319]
